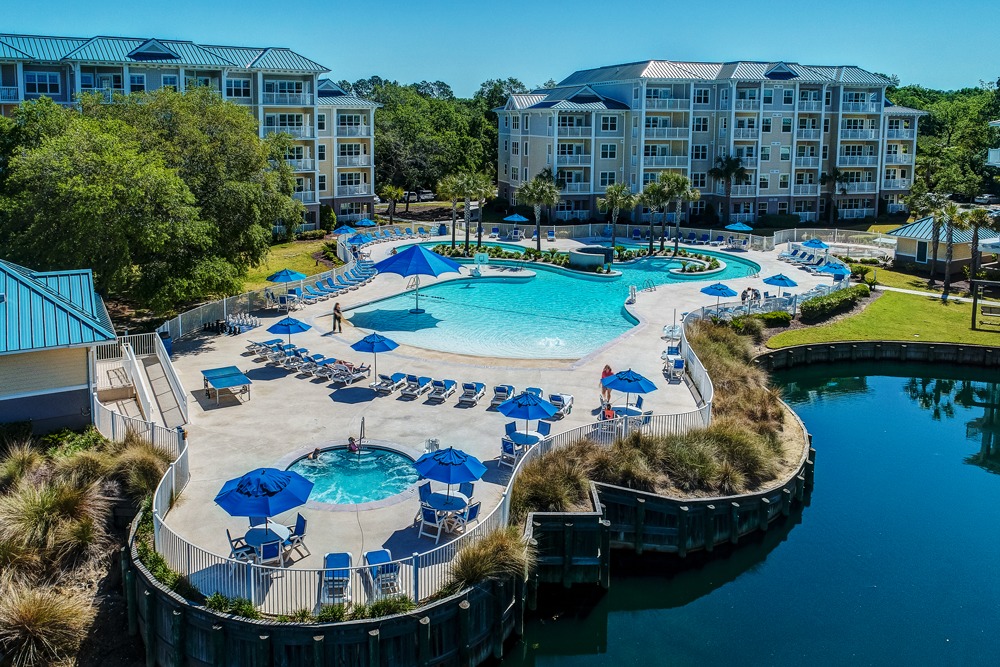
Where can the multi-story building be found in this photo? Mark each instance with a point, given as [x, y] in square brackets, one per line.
[993, 155]
[278, 86]
[346, 152]
[790, 124]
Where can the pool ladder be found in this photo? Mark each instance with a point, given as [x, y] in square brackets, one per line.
[648, 285]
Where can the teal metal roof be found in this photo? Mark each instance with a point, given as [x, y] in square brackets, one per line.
[40, 310]
[43, 48]
[331, 99]
[8, 52]
[118, 50]
[283, 59]
[923, 230]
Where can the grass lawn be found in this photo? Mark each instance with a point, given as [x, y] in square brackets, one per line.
[896, 316]
[882, 229]
[296, 256]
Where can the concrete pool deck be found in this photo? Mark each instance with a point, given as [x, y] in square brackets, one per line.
[289, 414]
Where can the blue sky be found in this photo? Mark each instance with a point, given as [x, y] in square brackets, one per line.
[938, 44]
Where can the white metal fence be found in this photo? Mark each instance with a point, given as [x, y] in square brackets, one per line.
[849, 242]
[137, 378]
[121, 359]
[115, 426]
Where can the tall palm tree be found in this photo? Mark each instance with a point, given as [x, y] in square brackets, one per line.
[483, 189]
[538, 192]
[977, 219]
[447, 187]
[391, 194]
[617, 197]
[688, 196]
[728, 168]
[674, 185]
[838, 180]
[937, 217]
[953, 219]
[655, 196]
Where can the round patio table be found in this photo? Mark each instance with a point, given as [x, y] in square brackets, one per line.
[444, 503]
[524, 438]
[258, 535]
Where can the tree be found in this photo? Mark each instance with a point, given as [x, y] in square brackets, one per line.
[538, 192]
[726, 169]
[617, 197]
[655, 196]
[472, 186]
[392, 194]
[937, 217]
[953, 219]
[688, 196]
[485, 190]
[448, 188]
[675, 186]
[838, 180]
[977, 218]
[492, 94]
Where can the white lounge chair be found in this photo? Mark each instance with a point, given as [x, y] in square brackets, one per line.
[387, 384]
[442, 389]
[562, 401]
[416, 386]
[335, 583]
[471, 393]
[501, 393]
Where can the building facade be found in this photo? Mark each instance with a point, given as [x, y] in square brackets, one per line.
[278, 86]
[346, 152]
[790, 124]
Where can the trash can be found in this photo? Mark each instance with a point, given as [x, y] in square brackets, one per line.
[168, 343]
[443, 230]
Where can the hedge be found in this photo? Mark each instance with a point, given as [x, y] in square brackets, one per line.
[777, 318]
[823, 307]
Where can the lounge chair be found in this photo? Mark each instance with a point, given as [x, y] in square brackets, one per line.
[636, 235]
[787, 255]
[703, 240]
[467, 516]
[398, 233]
[311, 363]
[347, 374]
[296, 359]
[416, 386]
[315, 294]
[516, 235]
[389, 383]
[384, 574]
[495, 233]
[501, 393]
[329, 291]
[302, 296]
[471, 393]
[718, 240]
[279, 352]
[296, 539]
[262, 346]
[442, 389]
[422, 233]
[562, 401]
[534, 234]
[336, 578]
[409, 232]
[430, 524]
[692, 239]
[344, 284]
[550, 236]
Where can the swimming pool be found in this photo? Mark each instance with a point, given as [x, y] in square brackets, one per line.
[555, 315]
[343, 477]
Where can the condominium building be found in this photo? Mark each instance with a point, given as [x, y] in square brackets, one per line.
[345, 152]
[279, 87]
[993, 155]
[790, 124]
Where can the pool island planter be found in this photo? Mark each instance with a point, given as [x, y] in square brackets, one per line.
[879, 350]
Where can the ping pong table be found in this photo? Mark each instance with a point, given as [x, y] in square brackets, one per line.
[229, 377]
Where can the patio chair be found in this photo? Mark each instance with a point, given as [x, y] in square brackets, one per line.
[467, 516]
[466, 489]
[238, 548]
[302, 296]
[719, 240]
[320, 369]
[430, 524]
[344, 373]
[389, 383]
[516, 235]
[315, 293]
[323, 289]
[295, 359]
[257, 521]
[471, 393]
[253, 346]
[336, 578]
[270, 553]
[501, 393]
[703, 240]
[534, 390]
[409, 232]
[310, 363]
[543, 429]
[510, 428]
[384, 574]
[636, 235]
[442, 389]
[562, 401]
[422, 233]
[297, 536]
[638, 403]
[416, 386]
[677, 370]
[342, 283]
[534, 234]
[494, 233]
[508, 454]
[550, 236]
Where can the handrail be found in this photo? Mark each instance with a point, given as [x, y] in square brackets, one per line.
[137, 377]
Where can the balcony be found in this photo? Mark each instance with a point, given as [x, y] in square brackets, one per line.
[741, 217]
[577, 159]
[808, 133]
[353, 190]
[746, 105]
[900, 134]
[239, 99]
[846, 133]
[896, 208]
[298, 131]
[805, 189]
[582, 214]
[307, 164]
[850, 188]
[807, 216]
[9, 94]
[349, 217]
[900, 158]
[667, 103]
[857, 160]
[657, 218]
[288, 99]
[993, 158]
[574, 130]
[575, 188]
[896, 184]
[354, 161]
[620, 132]
[861, 107]
[744, 191]
[354, 130]
[667, 132]
[746, 133]
[664, 160]
[856, 213]
[107, 93]
[806, 161]
[306, 197]
[810, 105]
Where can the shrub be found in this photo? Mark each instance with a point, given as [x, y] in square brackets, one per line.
[54, 517]
[235, 606]
[553, 482]
[332, 613]
[67, 442]
[19, 459]
[140, 465]
[41, 625]
[384, 606]
[311, 235]
[777, 318]
[499, 555]
[748, 325]
[84, 466]
[624, 464]
[689, 462]
[859, 271]
[820, 308]
[16, 558]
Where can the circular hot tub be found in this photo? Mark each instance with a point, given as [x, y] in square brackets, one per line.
[342, 477]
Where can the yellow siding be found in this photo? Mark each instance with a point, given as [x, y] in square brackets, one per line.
[39, 371]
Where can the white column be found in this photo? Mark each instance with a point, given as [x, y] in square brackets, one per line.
[260, 101]
[180, 80]
[126, 81]
[19, 71]
[222, 82]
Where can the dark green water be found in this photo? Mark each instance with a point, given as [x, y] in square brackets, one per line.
[896, 560]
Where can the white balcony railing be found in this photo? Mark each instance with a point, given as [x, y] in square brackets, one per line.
[620, 132]
[806, 161]
[352, 190]
[810, 105]
[295, 131]
[741, 217]
[306, 164]
[664, 160]
[859, 187]
[744, 191]
[846, 133]
[667, 132]
[239, 99]
[746, 133]
[805, 189]
[896, 184]
[856, 213]
[582, 214]
[671, 103]
[354, 130]
[574, 130]
[993, 158]
[746, 105]
[807, 216]
[9, 94]
[306, 196]
[857, 160]
[899, 158]
[576, 159]
[896, 208]
[296, 99]
[572, 188]
[900, 134]
[808, 134]
[354, 161]
[861, 107]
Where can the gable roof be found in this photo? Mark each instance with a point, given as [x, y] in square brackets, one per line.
[41, 310]
[923, 230]
[330, 94]
[565, 98]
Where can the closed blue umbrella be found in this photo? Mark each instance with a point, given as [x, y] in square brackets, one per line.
[288, 325]
[629, 382]
[375, 343]
[365, 222]
[264, 492]
[417, 261]
[815, 244]
[780, 280]
[285, 276]
[517, 217]
[343, 229]
[718, 290]
[527, 406]
[739, 227]
[450, 466]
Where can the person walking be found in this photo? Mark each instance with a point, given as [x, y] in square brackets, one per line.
[338, 318]
[605, 392]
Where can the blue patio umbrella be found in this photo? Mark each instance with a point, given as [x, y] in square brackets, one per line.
[815, 244]
[264, 492]
[365, 222]
[517, 217]
[375, 343]
[417, 261]
[718, 290]
[285, 276]
[343, 229]
[739, 227]
[629, 382]
[527, 406]
[838, 271]
[780, 280]
[288, 325]
[450, 466]
[359, 239]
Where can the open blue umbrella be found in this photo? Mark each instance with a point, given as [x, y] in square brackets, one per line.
[450, 466]
[739, 227]
[527, 406]
[288, 325]
[343, 229]
[365, 222]
[816, 244]
[360, 239]
[718, 290]
[417, 261]
[629, 382]
[375, 343]
[285, 276]
[780, 280]
[517, 217]
[838, 271]
[264, 492]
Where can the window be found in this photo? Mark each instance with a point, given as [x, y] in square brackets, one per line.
[515, 123]
[196, 81]
[701, 123]
[322, 181]
[783, 181]
[525, 173]
[607, 178]
[350, 150]
[350, 178]
[515, 148]
[137, 82]
[525, 127]
[166, 81]
[505, 121]
[284, 120]
[351, 208]
[505, 170]
[505, 146]
[765, 125]
[86, 80]
[349, 120]
[699, 180]
[701, 95]
[786, 124]
[41, 83]
[828, 98]
[826, 125]
[764, 182]
[238, 88]
[761, 208]
[696, 208]
[782, 208]
[699, 152]
[765, 153]
[321, 121]
[525, 149]
[768, 96]
[300, 184]
[789, 96]
[295, 152]
[786, 153]
[826, 152]
[609, 123]
[609, 151]
[321, 152]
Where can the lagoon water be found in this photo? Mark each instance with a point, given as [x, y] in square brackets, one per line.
[893, 562]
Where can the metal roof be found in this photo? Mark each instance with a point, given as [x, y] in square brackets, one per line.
[896, 110]
[43, 310]
[43, 48]
[8, 52]
[923, 230]
[331, 99]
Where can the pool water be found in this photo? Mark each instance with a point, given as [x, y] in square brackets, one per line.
[890, 564]
[343, 477]
[554, 315]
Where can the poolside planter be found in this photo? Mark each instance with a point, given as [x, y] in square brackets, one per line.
[589, 258]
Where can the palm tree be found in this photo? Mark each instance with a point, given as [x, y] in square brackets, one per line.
[838, 180]
[616, 198]
[726, 169]
[674, 185]
[655, 196]
[447, 187]
[953, 219]
[977, 218]
[688, 196]
[936, 217]
[391, 194]
[538, 192]
[483, 189]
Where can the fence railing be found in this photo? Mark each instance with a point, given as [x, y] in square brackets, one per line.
[115, 426]
[137, 378]
[729, 309]
[175, 382]
[881, 244]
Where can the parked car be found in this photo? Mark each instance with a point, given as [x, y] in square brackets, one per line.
[419, 195]
[375, 198]
[988, 199]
